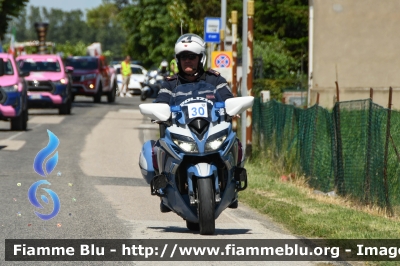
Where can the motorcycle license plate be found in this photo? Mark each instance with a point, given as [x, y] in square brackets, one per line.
[197, 110]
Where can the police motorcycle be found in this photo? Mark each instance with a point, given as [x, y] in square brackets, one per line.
[197, 167]
[151, 85]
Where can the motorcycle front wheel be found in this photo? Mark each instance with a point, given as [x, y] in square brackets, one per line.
[206, 206]
[143, 95]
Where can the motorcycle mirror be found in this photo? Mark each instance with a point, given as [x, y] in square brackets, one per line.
[156, 111]
[234, 106]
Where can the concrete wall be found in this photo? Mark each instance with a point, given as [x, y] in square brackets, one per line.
[357, 43]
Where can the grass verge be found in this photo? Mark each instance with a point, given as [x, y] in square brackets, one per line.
[302, 212]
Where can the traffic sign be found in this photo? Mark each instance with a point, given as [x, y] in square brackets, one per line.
[212, 28]
[221, 59]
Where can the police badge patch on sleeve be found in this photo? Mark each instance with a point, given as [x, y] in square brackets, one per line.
[212, 71]
[210, 96]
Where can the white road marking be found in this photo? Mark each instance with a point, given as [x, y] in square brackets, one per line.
[14, 145]
[46, 119]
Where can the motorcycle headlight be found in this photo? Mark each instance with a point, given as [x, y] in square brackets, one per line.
[185, 143]
[214, 144]
[88, 76]
[152, 81]
[11, 88]
[60, 82]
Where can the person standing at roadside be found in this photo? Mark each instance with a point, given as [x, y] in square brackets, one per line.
[126, 74]
[173, 67]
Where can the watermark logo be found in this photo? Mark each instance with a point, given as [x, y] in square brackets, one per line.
[39, 164]
[36, 203]
[44, 167]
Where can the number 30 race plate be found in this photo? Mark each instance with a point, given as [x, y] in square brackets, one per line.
[197, 110]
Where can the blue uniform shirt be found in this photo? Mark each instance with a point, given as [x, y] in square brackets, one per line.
[221, 92]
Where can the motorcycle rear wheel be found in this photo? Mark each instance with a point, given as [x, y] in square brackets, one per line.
[206, 206]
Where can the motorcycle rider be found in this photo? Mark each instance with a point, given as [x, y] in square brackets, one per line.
[190, 54]
[163, 69]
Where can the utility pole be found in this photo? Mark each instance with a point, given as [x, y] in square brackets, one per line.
[244, 72]
[222, 40]
[249, 129]
[223, 25]
[234, 63]
[310, 49]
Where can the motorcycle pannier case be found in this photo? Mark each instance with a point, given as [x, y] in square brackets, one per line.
[146, 161]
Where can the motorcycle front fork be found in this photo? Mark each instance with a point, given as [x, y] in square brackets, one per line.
[192, 198]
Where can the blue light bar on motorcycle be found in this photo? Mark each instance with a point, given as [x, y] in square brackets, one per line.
[176, 108]
[219, 105]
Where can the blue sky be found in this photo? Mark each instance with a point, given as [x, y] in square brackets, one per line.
[66, 5]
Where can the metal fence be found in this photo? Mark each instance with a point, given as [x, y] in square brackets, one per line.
[353, 149]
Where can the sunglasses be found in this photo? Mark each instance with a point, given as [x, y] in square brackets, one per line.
[188, 56]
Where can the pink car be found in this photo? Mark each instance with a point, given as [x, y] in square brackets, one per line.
[13, 93]
[49, 82]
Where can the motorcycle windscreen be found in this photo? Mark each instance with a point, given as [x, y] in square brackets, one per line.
[197, 100]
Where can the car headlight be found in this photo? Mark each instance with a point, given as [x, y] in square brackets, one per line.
[214, 144]
[60, 82]
[88, 76]
[185, 143]
[11, 88]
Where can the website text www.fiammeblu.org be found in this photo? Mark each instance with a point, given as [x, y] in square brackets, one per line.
[196, 250]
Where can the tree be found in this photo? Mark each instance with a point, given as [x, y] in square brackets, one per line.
[68, 48]
[152, 32]
[20, 25]
[120, 4]
[8, 11]
[103, 20]
[285, 19]
[191, 13]
[34, 16]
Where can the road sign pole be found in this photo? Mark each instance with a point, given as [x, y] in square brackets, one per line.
[244, 72]
[222, 43]
[223, 23]
[234, 63]
[209, 55]
[249, 126]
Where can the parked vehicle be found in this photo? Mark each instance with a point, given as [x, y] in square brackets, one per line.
[137, 77]
[151, 85]
[197, 168]
[49, 82]
[13, 93]
[92, 77]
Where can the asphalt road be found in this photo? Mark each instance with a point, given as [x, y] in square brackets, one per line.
[99, 184]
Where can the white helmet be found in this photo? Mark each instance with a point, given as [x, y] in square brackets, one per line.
[191, 43]
[164, 63]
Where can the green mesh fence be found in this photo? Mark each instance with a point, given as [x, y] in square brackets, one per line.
[348, 149]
